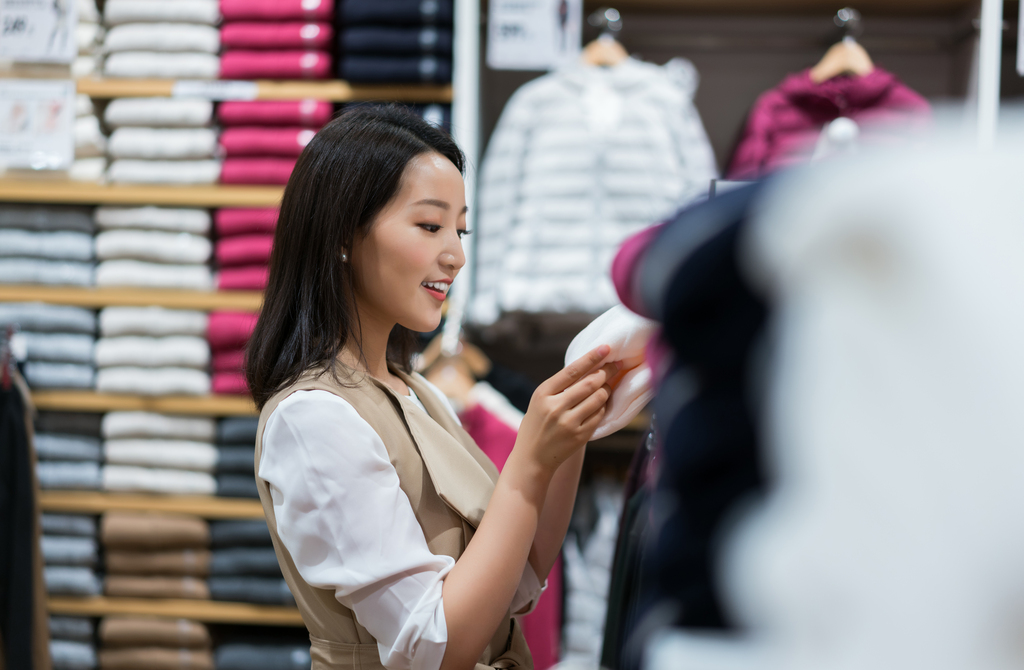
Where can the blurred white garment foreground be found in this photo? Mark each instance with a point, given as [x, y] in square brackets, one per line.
[893, 537]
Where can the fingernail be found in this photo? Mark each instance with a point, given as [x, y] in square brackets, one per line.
[603, 350]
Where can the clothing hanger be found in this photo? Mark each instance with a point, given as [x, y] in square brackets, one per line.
[846, 56]
[606, 50]
[476, 360]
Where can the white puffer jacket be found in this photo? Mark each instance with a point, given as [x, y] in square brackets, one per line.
[582, 158]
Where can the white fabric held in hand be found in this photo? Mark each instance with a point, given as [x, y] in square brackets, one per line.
[627, 334]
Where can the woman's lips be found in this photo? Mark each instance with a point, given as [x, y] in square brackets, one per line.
[435, 293]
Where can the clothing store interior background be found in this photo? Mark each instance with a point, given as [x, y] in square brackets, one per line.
[813, 209]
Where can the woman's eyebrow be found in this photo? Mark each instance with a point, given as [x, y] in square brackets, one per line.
[438, 203]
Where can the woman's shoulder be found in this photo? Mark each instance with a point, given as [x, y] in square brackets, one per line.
[319, 405]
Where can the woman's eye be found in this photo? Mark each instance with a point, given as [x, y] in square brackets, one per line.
[463, 233]
[430, 227]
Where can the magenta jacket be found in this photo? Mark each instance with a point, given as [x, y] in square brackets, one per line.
[786, 121]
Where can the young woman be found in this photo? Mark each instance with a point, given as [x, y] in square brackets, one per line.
[400, 542]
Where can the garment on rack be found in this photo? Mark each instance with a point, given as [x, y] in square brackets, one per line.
[162, 37]
[59, 347]
[133, 171]
[45, 375]
[246, 278]
[60, 246]
[153, 245]
[244, 250]
[71, 581]
[275, 65]
[395, 12]
[152, 321]
[153, 381]
[125, 586]
[230, 330]
[69, 524]
[237, 430]
[39, 271]
[308, 113]
[396, 40]
[130, 631]
[69, 550]
[277, 10]
[264, 141]
[141, 530]
[241, 533]
[278, 36]
[155, 658]
[46, 218]
[582, 158]
[88, 37]
[186, 351]
[786, 122]
[162, 143]
[79, 629]
[171, 219]
[434, 114]
[262, 657]
[42, 317]
[159, 453]
[395, 69]
[237, 486]
[204, 12]
[158, 65]
[58, 447]
[69, 475]
[230, 221]
[157, 480]
[179, 562]
[73, 423]
[89, 139]
[124, 272]
[258, 590]
[256, 170]
[119, 425]
[158, 112]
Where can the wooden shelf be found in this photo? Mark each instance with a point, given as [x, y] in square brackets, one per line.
[94, 502]
[198, 610]
[244, 301]
[87, 193]
[334, 90]
[88, 401]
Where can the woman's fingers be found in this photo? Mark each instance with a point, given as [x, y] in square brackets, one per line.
[582, 389]
[575, 371]
[592, 404]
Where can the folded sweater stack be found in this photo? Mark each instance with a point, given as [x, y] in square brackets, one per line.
[252, 655]
[89, 37]
[152, 351]
[70, 556]
[153, 247]
[227, 334]
[244, 239]
[161, 140]
[130, 642]
[90, 142]
[59, 342]
[236, 447]
[46, 245]
[164, 40]
[262, 139]
[69, 451]
[243, 566]
[395, 41]
[276, 39]
[72, 644]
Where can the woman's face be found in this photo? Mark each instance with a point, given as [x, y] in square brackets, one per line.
[404, 266]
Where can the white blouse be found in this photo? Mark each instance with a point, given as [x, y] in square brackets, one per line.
[349, 526]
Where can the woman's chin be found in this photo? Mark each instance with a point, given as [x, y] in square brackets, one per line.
[423, 324]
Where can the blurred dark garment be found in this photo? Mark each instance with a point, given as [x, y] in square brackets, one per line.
[395, 69]
[249, 561]
[237, 486]
[237, 430]
[262, 657]
[242, 533]
[395, 40]
[73, 423]
[258, 590]
[395, 12]
[237, 460]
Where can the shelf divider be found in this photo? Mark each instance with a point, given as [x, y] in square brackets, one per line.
[97, 502]
[245, 301]
[198, 610]
[53, 190]
[90, 401]
[334, 90]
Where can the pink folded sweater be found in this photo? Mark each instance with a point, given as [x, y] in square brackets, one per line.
[291, 35]
[229, 383]
[230, 330]
[309, 113]
[229, 360]
[275, 65]
[244, 220]
[244, 250]
[277, 10]
[245, 278]
[256, 170]
[260, 141]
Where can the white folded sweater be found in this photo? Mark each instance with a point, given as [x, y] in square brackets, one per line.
[162, 143]
[152, 245]
[162, 37]
[152, 352]
[173, 112]
[154, 321]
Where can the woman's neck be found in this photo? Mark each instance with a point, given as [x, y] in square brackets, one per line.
[367, 350]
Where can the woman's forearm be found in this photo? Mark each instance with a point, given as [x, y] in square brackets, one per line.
[554, 518]
[478, 591]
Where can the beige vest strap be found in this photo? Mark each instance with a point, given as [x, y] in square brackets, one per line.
[448, 481]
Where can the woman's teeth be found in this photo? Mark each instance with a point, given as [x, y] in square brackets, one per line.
[437, 286]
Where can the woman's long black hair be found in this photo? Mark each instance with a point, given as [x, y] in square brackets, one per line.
[345, 176]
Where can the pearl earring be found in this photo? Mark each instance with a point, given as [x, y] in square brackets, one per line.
[344, 258]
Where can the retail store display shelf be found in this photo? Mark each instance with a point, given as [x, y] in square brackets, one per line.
[95, 502]
[88, 193]
[89, 401]
[904, 7]
[246, 301]
[333, 89]
[197, 610]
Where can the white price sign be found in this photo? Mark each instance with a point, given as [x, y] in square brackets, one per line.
[38, 31]
[533, 34]
[37, 119]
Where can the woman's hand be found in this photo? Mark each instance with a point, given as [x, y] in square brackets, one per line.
[566, 409]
